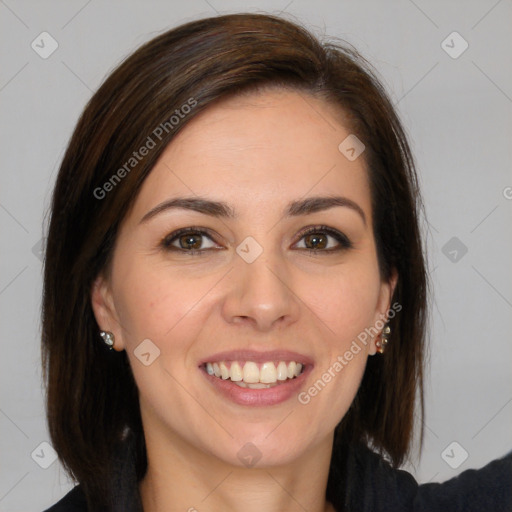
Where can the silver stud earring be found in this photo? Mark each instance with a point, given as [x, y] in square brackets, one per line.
[384, 338]
[108, 338]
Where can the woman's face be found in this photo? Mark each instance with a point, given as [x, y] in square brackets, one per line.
[267, 268]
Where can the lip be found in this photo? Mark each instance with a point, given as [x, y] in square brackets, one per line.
[257, 357]
[258, 397]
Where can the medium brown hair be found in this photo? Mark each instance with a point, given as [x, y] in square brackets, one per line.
[92, 398]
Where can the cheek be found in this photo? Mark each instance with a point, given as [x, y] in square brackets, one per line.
[154, 303]
[344, 301]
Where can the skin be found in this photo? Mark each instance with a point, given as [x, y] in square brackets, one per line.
[257, 153]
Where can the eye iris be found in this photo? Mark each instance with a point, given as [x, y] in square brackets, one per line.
[316, 241]
[190, 241]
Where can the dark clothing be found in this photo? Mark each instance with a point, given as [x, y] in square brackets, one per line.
[371, 485]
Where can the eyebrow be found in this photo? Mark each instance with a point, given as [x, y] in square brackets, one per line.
[223, 210]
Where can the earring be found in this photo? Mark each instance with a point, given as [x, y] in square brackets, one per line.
[384, 338]
[108, 338]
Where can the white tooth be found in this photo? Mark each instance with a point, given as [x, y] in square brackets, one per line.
[251, 372]
[224, 372]
[242, 384]
[209, 368]
[216, 370]
[282, 371]
[298, 369]
[268, 373]
[258, 385]
[292, 365]
[235, 372]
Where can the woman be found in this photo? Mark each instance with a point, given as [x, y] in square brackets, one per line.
[235, 288]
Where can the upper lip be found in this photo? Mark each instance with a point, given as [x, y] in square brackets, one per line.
[257, 357]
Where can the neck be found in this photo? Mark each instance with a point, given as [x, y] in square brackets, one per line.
[180, 477]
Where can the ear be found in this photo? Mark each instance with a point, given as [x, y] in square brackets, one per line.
[387, 288]
[103, 306]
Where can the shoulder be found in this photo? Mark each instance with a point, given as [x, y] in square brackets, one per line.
[73, 501]
[377, 485]
[372, 484]
[487, 488]
[362, 480]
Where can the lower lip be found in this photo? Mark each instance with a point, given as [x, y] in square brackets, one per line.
[258, 397]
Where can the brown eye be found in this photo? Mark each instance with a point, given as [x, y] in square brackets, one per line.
[189, 241]
[323, 239]
[315, 241]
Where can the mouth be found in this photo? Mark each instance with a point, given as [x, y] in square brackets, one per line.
[253, 375]
[247, 377]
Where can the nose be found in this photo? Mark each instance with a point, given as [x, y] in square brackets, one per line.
[261, 295]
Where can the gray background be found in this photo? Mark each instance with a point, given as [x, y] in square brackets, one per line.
[456, 110]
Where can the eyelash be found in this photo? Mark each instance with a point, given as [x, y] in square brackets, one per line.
[342, 239]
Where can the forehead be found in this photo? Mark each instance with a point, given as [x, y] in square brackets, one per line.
[259, 150]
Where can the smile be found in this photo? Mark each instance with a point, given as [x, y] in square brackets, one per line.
[253, 375]
[254, 378]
